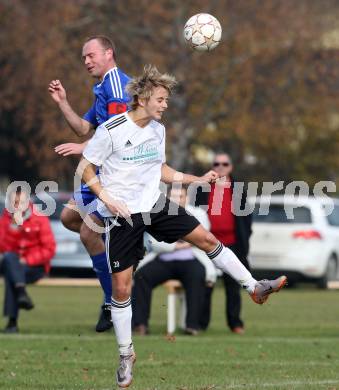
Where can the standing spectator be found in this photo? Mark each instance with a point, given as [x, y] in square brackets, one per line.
[231, 230]
[180, 261]
[27, 246]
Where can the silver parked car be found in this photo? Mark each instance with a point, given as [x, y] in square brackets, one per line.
[71, 256]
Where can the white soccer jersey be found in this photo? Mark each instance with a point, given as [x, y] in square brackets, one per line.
[129, 158]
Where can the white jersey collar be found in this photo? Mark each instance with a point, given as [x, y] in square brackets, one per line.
[131, 121]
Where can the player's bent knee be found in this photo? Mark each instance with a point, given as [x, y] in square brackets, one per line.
[121, 292]
[121, 287]
[211, 239]
[64, 218]
[70, 220]
[209, 242]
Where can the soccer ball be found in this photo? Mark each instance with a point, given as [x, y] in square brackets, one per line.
[202, 32]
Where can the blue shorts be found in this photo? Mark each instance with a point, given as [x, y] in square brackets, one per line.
[86, 201]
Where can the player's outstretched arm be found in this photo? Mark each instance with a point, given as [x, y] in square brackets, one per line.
[70, 148]
[87, 172]
[170, 175]
[58, 93]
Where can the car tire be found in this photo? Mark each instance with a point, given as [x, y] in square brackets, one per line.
[331, 269]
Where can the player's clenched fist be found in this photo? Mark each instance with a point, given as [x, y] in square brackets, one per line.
[57, 91]
[209, 177]
[115, 206]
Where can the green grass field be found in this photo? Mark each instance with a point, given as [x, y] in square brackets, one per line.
[290, 343]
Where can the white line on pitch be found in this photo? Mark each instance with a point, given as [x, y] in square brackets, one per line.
[153, 363]
[281, 384]
[180, 338]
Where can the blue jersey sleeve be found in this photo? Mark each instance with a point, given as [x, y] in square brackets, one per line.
[90, 116]
[114, 90]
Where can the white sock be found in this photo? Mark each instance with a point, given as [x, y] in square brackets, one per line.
[121, 318]
[228, 262]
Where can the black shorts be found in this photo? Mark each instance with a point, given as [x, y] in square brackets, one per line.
[167, 222]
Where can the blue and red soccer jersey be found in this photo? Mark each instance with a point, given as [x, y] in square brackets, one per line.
[110, 97]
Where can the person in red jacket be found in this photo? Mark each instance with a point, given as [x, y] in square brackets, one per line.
[27, 246]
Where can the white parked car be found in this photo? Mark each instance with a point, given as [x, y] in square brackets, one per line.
[305, 248]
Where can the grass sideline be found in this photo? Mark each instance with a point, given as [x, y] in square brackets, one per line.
[290, 343]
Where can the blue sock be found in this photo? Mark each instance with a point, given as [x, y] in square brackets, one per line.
[101, 269]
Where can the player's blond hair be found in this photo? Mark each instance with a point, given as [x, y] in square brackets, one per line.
[142, 87]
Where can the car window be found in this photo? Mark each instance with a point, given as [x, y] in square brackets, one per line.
[277, 214]
[333, 218]
[2, 206]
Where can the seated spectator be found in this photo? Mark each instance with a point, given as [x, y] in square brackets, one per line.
[178, 261]
[27, 246]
